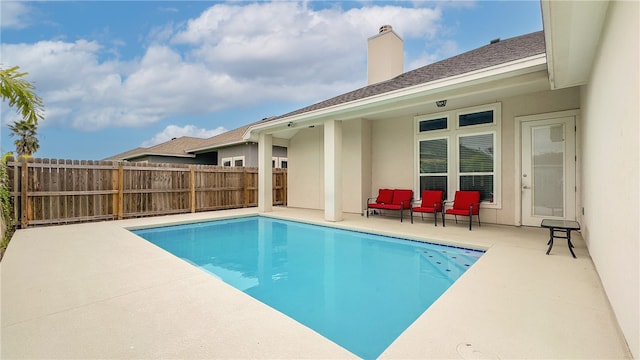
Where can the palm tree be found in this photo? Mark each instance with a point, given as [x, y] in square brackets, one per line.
[26, 142]
[20, 93]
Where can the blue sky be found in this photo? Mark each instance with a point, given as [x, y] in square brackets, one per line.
[115, 75]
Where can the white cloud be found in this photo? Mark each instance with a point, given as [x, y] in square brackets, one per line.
[174, 131]
[14, 15]
[443, 50]
[286, 42]
[232, 55]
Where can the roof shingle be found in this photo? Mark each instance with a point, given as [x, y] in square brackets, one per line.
[493, 54]
[173, 147]
[227, 138]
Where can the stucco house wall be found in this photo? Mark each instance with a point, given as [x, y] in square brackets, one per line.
[305, 188]
[355, 160]
[306, 170]
[392, 154]
[249, 151]
[611, 165]
[367, 161]
[386, 158]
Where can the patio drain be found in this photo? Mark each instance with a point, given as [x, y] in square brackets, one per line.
[471, 352]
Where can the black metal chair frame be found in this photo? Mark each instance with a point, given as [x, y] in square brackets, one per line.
[470, 215]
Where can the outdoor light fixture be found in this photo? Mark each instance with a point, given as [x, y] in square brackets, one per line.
[441, 103]
[291, 124]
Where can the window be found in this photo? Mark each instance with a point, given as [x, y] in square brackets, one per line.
[434, 164]
[460, 157]
[433, 124]
[279, 162]
[475, 118]
[236, 161]
[476, 164]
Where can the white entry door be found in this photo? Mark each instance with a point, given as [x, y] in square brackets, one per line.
[548, 170]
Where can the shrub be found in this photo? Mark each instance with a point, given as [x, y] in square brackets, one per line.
[6, 202]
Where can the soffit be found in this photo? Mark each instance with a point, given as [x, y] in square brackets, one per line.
[572, 36]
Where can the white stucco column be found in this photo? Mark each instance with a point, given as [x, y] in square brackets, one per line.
[265, 177]
[333, 170]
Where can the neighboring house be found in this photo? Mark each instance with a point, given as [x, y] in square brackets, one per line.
[544, 125]
[233, 150]
[172, 151]
[226, 149]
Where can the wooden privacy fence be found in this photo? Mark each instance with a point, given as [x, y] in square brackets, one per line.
[50, 191]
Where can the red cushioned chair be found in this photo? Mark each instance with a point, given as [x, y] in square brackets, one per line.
[397, 199]
[465, 203]
[402, 200]
[431, 203]
[385, 196]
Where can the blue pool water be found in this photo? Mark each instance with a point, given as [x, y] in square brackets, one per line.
[359, 290]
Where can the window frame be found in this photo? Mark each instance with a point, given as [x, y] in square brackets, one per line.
[453, 133]
[276, 162]
[476, 109]
[436, 116]
[282, 160]
[232, 161]
[479, 173]
[421, 174]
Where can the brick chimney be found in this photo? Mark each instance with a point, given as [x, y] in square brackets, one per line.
[385, 55]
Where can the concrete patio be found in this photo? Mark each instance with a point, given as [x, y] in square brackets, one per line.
[98, 291]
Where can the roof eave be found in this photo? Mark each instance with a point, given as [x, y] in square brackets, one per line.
[158, 154]
[216, 146]
[513, 68]
[571, 31]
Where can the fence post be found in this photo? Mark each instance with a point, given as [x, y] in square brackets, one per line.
[192, 188]
[284, 187]
[114, 187]
[245, 185]
[16, 182]
[120, 192]
[24, 218]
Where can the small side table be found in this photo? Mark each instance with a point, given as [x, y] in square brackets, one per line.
[564, 228]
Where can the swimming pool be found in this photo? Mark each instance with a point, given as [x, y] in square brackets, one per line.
[359, 290]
